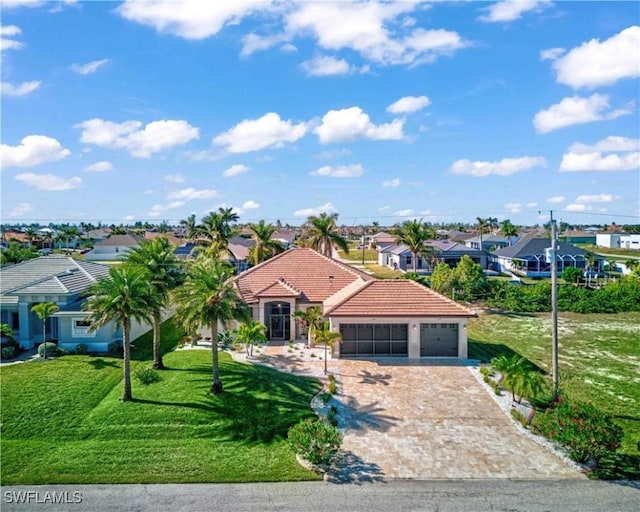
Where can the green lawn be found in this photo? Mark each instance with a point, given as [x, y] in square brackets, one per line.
[599, 358]
[63, 422]
[356, 254]
[383, 272]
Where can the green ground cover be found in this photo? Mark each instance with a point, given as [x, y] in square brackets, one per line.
[599, 358]
[63, 422]
[382, 272]
[355, 254]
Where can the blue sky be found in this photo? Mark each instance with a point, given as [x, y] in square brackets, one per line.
[445, 111]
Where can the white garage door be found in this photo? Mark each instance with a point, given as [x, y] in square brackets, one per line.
[439, 340]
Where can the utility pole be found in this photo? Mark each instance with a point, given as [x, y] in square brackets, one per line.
[554, 306]
[364, 236]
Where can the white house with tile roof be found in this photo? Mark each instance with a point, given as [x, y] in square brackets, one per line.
[375, 317]
[113, 248]
[61, 280]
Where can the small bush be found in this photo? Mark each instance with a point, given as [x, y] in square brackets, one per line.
[81, 349]
[315, 440]
[585, 431]
[52, 349]
[519, 417]
[486, 372]
[115, 348]
[333, 387]
[8, 352]
[146, 376]
[325, 397]
[332, 415]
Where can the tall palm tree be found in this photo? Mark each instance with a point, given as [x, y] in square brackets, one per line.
[508, 230]
[483, 227]
[190, 226]
[218, 229]
[206, 298]
[122, 297]
[44, 310]
[414, 234]
[325, 336]
[309, 319]
[265, 247]
[322, 234]
[164, 273]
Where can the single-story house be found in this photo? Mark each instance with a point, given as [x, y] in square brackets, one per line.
[578, 237]
[113, 248]
[61, 280]
[630, 242]
[399, 257]
[532, 257]
[490, 242]
[399, 318]
[382, 239]
[609, 240]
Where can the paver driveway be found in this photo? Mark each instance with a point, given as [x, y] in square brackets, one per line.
[429, 420]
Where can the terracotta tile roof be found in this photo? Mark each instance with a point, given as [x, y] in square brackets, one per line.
[121, 240]
[398, 297]
[315, 276]
[153, 235]
[279, 289]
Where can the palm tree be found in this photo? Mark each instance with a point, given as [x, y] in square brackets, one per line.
[414, 234]
[322, 234]
[508, 230]
[265, 247]
[217, 228]
[248, 333]
[125, 296]
[492, 222]
[32, 234]
[483, 226]
[206, 298]
[44, 310]
[309, 319]
[325, 336]
[157, 259]
[190, 227]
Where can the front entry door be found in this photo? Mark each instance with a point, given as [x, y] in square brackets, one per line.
[277, 327]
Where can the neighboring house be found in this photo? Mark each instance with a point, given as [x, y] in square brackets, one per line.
[239, 247]
[94, 236]
[532, 257]
[630, 242]
[113, 248]
[61, 280]
[489, 242]
[459, 236]
[399, 257]
[609, 240]
[153, 235]
[382, 238]
[286, 236]
[578, 237]
[399, 318]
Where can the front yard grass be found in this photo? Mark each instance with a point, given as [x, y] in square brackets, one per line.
[599, 359]
[63, 422]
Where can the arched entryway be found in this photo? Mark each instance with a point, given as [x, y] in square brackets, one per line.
[277, 317]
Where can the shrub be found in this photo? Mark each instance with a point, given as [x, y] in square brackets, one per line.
[325, 397]
[115, 348]
[52, 349]
[333, 387]
[332, 415]
[584, 430]
[315, 440]
[81, 349]
[519, 417]
[8, 352]
[146, 376]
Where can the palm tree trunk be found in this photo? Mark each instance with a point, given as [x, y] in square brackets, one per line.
[414, 261]
[157, 358]
[216, 387]
[126, 366]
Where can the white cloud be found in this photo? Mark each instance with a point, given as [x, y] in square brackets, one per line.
[159, 209]
[340, 171]
[9, 89]
[551, 53]
[574, 207]
[174, 178]
[596, 198]
[235, 170]
[610, 154]
[576, 110]
[33, 150]
[130, 135]
[190, 19]
[255, 134]
[383, 208]
[306, 212]
[7, 34]
[595, 63]
[128, 218]
[326, 66]
[509, 10]
[148, 191]
[395, 182]
[504, 167]
[556, 199]
[352, 123]
[513, 207]
[102, 166]
[404, 213]
[409, 104]
[250, 205]
[21, 210]
[89, 67]
[49, 182]
[253, 42]
[372, 29]
[191, 194]
[531, 205]
[9, 4]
